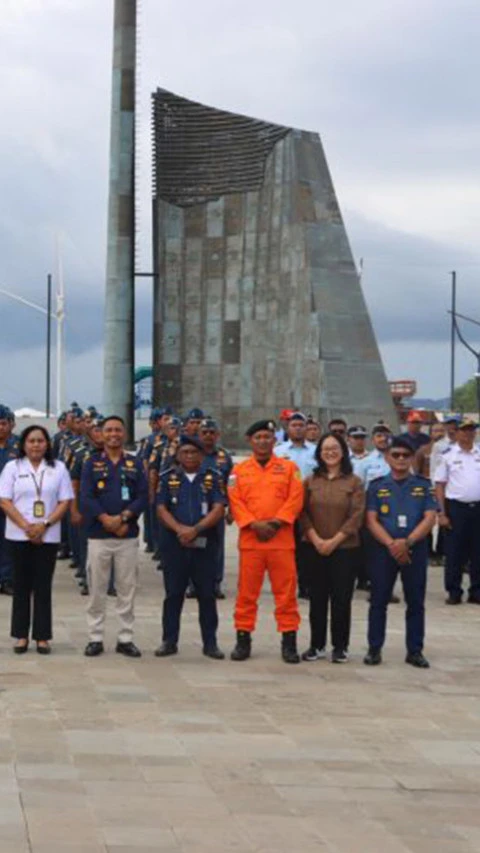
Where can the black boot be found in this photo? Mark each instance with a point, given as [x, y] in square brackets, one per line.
[243, 647]
[289, 647]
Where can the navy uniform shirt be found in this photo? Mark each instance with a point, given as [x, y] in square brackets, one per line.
[80, 457]
[112, 489]
[187, 501]
[416, 441]
[163, 455]
[401, 504]
[221, 460]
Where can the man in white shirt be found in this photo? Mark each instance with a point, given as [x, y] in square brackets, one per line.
[457, 479]
[375, 464]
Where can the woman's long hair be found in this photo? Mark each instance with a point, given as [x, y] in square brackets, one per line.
[345, 464]
[21, 444]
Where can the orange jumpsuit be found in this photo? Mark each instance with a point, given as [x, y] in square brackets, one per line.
[261, 493]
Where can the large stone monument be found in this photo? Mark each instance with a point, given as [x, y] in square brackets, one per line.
[257, 303]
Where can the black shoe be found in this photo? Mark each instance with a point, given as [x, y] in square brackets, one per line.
[394, 599]
[149, 549]
[6, 588]
[84, 590]
[339, 656]
[373, 657]
[453, 599]
[93, 649]
[129, 650]
[473, 599]
[79, 574]
[417, 659]
[313, 654]
[73, 564]
[190, 593]
[219, 593]
[21, 650]
[213, 652]
[243, 648]
[165, 650]
[112, 592]
[43, 650]
[289, 647]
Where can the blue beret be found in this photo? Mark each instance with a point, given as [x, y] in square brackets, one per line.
[185, 440]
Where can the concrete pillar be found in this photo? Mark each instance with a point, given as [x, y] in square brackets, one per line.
[120, 293]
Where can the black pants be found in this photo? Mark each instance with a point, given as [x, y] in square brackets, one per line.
[301, 560]
[33, 567]
[181, 567]
[331, 579]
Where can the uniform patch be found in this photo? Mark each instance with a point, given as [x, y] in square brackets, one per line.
[130, 463]
[384, 509]
[101, 484]
[298, 475]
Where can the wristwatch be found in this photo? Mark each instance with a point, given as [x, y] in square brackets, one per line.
[47, 523]
[125, 518]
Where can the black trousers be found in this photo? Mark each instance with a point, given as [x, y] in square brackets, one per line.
[301, 560]
[331, 580]
[33, 568]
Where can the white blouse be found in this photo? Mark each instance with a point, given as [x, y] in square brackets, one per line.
[23, 485]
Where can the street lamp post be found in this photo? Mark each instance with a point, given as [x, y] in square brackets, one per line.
[58, 315]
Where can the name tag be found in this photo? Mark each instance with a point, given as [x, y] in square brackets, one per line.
[125, 493]
[402, 521]
[204, 508]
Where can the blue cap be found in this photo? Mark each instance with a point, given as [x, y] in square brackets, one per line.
[6, 414]
[297, 416]
[195, 414]
[209, 423]
[77, 412]
[175, 422]
[185, 440]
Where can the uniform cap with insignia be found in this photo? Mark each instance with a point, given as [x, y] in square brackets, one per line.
[452, 419]
[297, 416]
[6, 414]
[401, 444]
[186, 440]
[175, 422]
[195, 414]
[260, 426]
[357, 431]
[209, 423]
[380, 426]
[467, 423]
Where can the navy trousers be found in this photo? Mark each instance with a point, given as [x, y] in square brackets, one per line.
[383, 571]
[198, 566]
[462, 546]
[6, 562]
[220, 551]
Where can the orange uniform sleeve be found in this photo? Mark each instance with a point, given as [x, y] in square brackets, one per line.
[238, 507]
[293, 505]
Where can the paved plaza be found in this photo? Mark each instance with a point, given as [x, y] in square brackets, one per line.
[189, 755]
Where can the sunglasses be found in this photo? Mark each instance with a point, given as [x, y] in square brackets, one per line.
[398, 454]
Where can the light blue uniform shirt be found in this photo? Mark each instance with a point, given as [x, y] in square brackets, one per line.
[372, 466]
[303, 455]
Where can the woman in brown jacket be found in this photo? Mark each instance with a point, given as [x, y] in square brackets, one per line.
[333, 513]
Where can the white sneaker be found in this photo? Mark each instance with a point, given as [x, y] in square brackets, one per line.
[314, 654]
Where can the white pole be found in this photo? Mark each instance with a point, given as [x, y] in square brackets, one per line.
[60, 313]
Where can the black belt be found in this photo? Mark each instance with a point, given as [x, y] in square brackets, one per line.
[471, 504]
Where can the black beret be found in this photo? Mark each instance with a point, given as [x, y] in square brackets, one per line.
[401, 444]
[258, 426]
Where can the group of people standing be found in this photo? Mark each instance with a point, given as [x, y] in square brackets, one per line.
[319, 510]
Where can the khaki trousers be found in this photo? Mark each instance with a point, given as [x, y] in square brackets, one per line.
[123, 553]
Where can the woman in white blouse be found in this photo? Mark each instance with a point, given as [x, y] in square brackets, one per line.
[35, 492]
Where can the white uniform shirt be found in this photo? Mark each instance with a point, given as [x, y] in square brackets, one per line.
[17, 484]
[460, 470]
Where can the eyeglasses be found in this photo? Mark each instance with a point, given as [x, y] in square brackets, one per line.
[397, 454]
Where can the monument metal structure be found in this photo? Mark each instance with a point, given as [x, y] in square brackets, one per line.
[120, 292]
[257, 301]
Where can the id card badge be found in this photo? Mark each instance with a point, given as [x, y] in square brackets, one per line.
[402, 521]
[38, 509]
[204, 508]
[125, 493]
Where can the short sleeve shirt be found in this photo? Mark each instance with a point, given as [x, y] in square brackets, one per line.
[460, 471]
[23, 485]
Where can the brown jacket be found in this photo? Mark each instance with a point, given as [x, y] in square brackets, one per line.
[334, 505]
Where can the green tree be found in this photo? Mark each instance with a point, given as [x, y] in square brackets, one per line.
[465, 397]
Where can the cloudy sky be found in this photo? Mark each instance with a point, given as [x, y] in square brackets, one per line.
[391, 86]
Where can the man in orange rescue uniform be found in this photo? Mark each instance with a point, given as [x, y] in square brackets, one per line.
[266, 496]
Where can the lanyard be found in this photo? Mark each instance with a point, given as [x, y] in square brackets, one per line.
[38, 488]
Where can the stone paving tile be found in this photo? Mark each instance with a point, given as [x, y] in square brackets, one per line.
[194, 756]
